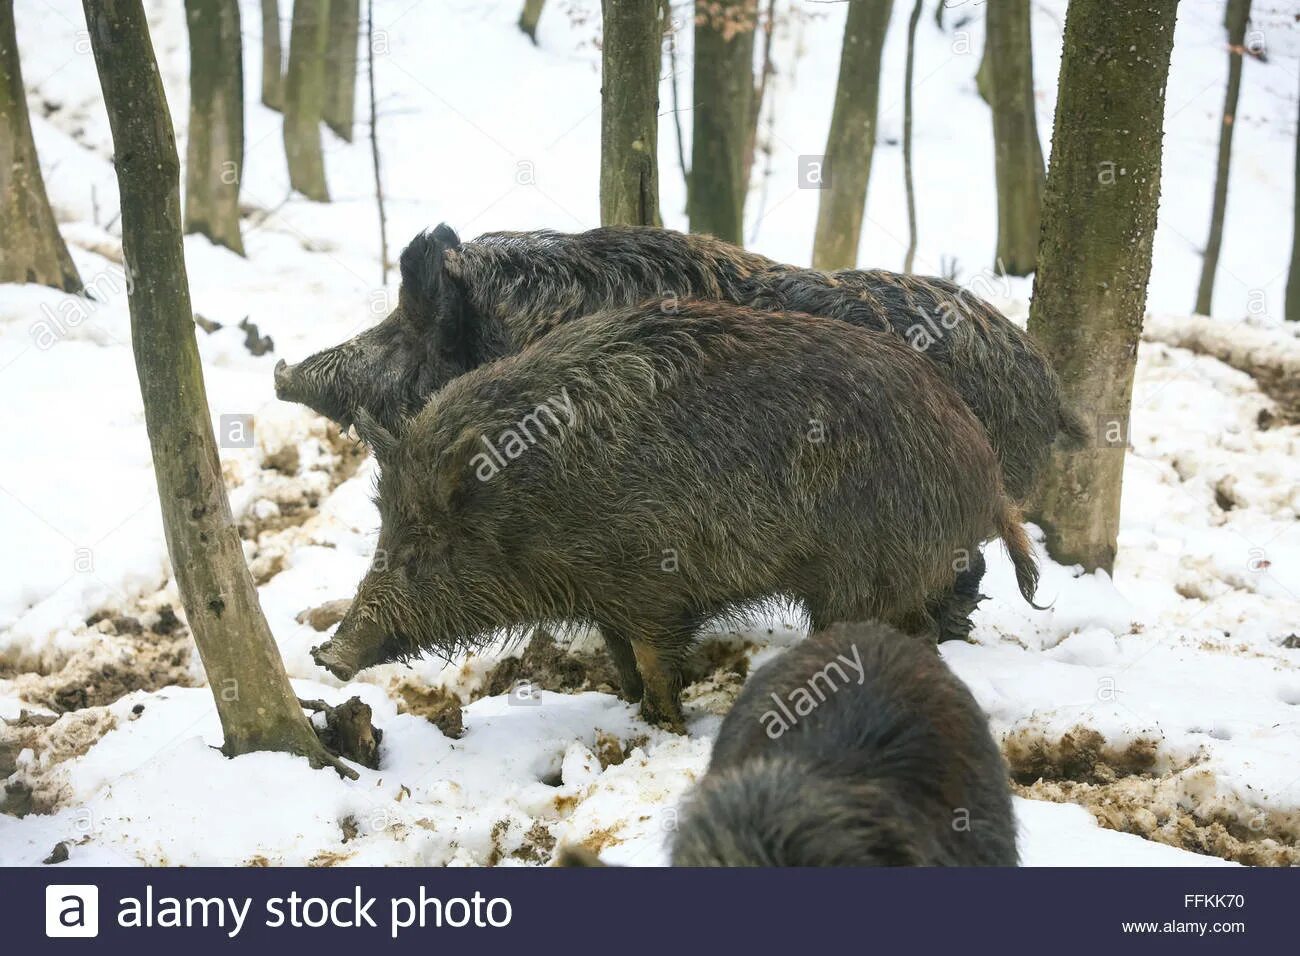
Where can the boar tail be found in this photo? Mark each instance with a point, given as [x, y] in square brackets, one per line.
[1012, 531]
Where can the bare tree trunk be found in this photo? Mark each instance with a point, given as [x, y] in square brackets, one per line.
[341, 69]
[304, 98]
[255, 702]
[670, 26]
[31, 249]
[1006, 81]
[272, 58]
[723, 94]
[529, 18]
[765, 72]
[214, 151]
[1094, 258]
[374, 140]
[846, 167]
[630, 59]
[908, 185]
[1293, 277]
[1235, 20]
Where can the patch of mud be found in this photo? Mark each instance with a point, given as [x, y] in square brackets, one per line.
[143, 649]
[438, 706]
[548, 665]
[37, 784]
[289, 493]
[1134, 789]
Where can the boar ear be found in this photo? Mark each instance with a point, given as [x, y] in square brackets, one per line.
[433, 294]
[381, 441]
[461, 467]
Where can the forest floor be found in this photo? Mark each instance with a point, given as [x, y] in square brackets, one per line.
[1152, 719]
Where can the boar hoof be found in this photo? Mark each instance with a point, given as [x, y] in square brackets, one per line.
[673, 722]
[327, 656]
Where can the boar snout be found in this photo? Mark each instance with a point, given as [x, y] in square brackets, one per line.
[284, 381]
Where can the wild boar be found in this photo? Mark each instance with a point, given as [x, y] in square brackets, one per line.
[646, 471]
[463, 304]
[856, 747]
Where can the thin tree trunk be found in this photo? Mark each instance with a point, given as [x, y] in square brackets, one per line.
[341, 69]
[531, 15]
[723, 94]
[255, 702]
[31, 249]
[1293, 277]
[214, 151]
[1006, 81]
[304, 98]
[1235, 20]
[908, 185]
[374, 140]
[852, 139]
[1094, 257]
[765, 72]
[630, 59]
[272, 58]
[677, 100]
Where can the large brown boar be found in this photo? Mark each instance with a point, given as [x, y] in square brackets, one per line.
[645, 472]
[857, 747]
[464, 304]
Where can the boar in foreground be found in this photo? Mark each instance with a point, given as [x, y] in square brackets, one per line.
[857, 747]
[462, 305]
[646, 472]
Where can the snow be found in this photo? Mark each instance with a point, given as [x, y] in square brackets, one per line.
[1188, 654]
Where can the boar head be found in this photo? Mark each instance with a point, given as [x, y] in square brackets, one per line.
[392, 369]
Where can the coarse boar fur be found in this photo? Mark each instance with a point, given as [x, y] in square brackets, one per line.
[856, 747]
[464, 304]
[645, 472]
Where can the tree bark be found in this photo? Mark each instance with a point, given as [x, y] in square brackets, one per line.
[1094, 256]
[341, 72]
[257, 707]
[214, 152]
[852, 139]
[1235, 20]
[31, 249]
[528, 19]
[272, 58]
[766, 70]
[630, 60]
[304, 98]
[723, 97]
[909, 187]
[1293, 277]
[1006, 81]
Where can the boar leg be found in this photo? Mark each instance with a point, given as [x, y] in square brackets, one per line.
[620, 652]
[660, 664]
[953, 608]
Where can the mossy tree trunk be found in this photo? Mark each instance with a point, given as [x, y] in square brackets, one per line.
[255, 702]
[272, 57]
[1006, 81]
[214, 152]
[304, 97]
[630, 60]
[1236, 17]
[846, 165]
[1094, 257]
[528, 19]
[341, 69]
[1293, 277]
[31, 249]
[722, 111]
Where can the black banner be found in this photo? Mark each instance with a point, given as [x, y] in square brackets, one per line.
[643, 910]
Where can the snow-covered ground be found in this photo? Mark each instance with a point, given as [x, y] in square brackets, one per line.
[1165, 704]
